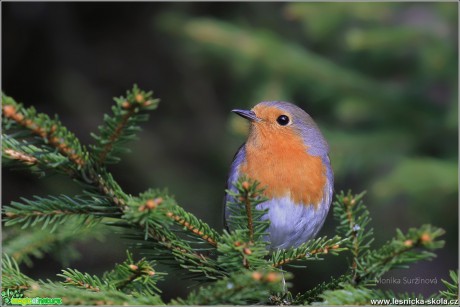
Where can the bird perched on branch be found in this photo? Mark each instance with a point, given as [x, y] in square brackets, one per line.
[286, 152]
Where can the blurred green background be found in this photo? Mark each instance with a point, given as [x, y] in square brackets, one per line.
[380, 79]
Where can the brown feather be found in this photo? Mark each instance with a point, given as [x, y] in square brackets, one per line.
[277, 157]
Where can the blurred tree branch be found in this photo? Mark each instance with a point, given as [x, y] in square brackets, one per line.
[238, 262]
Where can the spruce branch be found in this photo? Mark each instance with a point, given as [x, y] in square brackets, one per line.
[399, 252]
[81, 295]
[245, 246]
[314, 294]
[12, 278]
[310, 250]
[54, 135]
[159, 202]
[82, 280]
[21, 156]
[236, 254]
[367, 265]
[349, 295]
[135, 276]
[237, 289]
[353, 216]
[451, 292]
[130, 277]
[242, 209]
[36, 159]
[128, 112]
[96, 181]
[35, 243]
[164, 245]
[153, 213]
[50, 130]
[192, 224]
[247, 205]
[56, 210]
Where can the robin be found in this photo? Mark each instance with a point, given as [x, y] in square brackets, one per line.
[286, 152]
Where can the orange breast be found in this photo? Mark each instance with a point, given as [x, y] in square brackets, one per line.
[281, 163]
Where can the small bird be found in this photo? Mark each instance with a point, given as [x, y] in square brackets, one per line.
[286, 152]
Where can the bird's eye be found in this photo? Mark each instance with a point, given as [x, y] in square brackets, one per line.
[283, 120]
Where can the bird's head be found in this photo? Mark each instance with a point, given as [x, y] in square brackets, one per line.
[279, 120]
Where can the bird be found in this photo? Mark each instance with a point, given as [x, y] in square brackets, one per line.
[287, 154]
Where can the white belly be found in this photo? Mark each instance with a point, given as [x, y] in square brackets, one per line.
[292, 224]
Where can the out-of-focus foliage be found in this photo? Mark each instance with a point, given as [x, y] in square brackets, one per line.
[380, 79]
[237, 260]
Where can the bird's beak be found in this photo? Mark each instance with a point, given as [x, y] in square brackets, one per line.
[250, 115]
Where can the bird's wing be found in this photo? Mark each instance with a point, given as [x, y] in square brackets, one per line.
[233, 175]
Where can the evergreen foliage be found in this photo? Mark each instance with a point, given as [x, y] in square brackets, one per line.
[236, 262]
[12, 278]
[452, 287]
[26, 246]
[122, 127]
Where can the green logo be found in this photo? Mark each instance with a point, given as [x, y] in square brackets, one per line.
[16, 297]
[8, 295]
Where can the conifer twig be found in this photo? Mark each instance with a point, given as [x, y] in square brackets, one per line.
[242, 206]
[35, 159]
[116, 134]
[452, 289]
[313, 295]
[308, 250]
[353, 217]
[247, 204]
[194, 229]
[120, 127]
[236, 289]
[12, 278]
[46, 129]
[36, 243]
[21, 156]
[399, 251]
